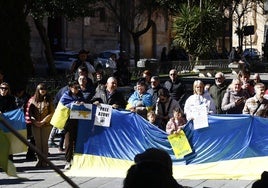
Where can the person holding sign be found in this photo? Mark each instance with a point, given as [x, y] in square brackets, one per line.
[199, 98]
[175, 123]
[70, 97]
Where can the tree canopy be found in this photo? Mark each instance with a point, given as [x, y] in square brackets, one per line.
[39, 9]
[70, 9]
[196, 29]
[136, 17]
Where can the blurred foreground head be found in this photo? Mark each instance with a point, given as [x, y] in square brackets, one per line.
[153, 168]
[263, 182]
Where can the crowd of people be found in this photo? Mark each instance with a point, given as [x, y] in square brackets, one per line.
[159, 103]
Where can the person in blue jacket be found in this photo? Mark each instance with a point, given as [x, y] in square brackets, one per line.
[140, 101]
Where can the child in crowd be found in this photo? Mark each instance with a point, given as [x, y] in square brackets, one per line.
[175, 123]
[151, 117]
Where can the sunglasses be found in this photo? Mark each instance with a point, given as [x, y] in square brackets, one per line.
[4, 88]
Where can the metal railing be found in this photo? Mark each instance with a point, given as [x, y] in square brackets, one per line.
[181, 66]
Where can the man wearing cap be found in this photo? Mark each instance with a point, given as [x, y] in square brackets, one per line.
[82, 61]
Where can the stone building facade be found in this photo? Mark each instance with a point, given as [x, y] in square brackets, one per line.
[255, 16]
[96, 34]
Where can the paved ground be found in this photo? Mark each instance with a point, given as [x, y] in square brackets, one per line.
[31, 176]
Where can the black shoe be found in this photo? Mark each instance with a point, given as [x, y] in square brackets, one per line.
[10, 157]
[31, 157]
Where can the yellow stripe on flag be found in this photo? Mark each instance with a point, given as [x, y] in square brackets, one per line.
[17, 146]
[241, 169]
[60, 116]
[96, 166]
[6, 164]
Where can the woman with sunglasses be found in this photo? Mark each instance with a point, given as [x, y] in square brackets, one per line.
[40, 110]
[7, 101]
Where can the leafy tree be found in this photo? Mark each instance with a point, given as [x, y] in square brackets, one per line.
[15, 60]
[197, 30]
[39, 9]
[135, 17]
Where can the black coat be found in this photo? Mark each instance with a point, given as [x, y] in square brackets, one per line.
[7, 103]
[176, 89]
[116, 97]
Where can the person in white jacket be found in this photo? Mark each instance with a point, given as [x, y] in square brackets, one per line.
[199, 97]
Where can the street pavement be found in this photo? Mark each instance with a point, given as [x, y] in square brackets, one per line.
[31, 176]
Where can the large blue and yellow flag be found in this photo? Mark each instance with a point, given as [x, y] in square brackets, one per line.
[232, 147]
[10, 144]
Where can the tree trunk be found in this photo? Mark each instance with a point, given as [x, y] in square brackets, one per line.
[48, 52]
[136, 47]
[136, 36]
[15, 59]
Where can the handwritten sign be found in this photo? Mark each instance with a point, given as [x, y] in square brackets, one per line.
[103, 115]
[179, 144]
[200, 116]
[81, 111]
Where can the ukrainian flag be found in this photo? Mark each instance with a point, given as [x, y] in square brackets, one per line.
[10, 144]
[60, 116]
[232, 147]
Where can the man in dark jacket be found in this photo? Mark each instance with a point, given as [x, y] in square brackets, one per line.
[175, 86]
[110, 95]
[217, 91]
[154, 88]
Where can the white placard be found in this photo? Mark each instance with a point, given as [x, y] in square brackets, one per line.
[200, 116]
[103, 115]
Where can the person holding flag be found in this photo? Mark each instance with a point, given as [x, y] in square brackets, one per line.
[7, 103]
[61, 118]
